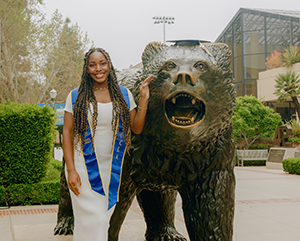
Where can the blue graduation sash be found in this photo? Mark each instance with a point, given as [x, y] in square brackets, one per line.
[91, 160]
[211, 57]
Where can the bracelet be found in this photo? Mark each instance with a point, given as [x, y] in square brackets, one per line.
[142, 108]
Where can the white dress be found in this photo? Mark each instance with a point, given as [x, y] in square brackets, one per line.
[91, 218]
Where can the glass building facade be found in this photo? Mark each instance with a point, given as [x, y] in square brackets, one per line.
[252, 35]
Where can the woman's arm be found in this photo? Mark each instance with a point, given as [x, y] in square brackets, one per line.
[74, 181]
[138, 118]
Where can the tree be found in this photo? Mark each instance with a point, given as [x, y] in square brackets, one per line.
[252, 121]
[273, 61]
[62, 68]
[291, 56]
[288, 58]
[19, 21]
[288, 85]
[37, 54]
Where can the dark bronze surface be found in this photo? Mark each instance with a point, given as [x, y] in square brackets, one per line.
[186, 145]
[65, 219]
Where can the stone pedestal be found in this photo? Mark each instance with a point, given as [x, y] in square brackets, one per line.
[277, 154]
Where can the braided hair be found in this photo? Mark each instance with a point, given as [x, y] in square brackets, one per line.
[86, 96]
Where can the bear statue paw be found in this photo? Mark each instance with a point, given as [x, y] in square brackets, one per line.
[166, 234]
[65, 226]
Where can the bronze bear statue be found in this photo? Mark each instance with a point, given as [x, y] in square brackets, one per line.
[186, 145]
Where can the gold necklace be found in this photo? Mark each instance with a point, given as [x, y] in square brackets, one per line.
[99, 88]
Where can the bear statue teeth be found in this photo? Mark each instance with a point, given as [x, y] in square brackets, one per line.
[183, 110]
[192, 120]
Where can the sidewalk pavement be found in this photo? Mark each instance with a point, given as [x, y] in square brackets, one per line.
[267, 209]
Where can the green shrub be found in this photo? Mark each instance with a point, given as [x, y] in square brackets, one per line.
[56, 164]
[28, 194]
[253, 121]
[295, 130]
[261, 146]
[45, 192]
[291, 165]
[2, 195]
[53, 171]
[295, 127]
[251, 163]
[27, 134]
[255, 163]
[290, 56]
[294, 139]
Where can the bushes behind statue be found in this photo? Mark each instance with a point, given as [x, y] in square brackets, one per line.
[27, 133]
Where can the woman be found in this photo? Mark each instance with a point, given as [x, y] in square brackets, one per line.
[98, 117]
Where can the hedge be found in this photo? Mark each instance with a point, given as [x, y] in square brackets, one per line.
[45, 192]
[28, 194]
[291, 165]
[27, 133]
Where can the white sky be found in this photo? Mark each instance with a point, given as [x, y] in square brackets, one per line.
[124, 27]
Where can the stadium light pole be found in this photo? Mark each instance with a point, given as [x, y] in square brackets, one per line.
[164, 20]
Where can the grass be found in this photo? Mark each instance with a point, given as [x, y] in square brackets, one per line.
[53, 171]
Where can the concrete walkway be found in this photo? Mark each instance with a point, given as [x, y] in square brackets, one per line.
[267, 209]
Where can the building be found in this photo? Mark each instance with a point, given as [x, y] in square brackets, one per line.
[252, 35]
[266, 88]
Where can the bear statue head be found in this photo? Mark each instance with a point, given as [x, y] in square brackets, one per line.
[192, 92]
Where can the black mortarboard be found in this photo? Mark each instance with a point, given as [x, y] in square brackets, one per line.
[188, 42]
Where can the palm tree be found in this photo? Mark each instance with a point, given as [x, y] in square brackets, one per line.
[288, 85]
[291, 56]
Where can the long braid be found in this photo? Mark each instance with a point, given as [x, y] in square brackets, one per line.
[86, 96]
[120, 107]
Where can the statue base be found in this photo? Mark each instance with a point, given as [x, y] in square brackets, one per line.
[277, 154]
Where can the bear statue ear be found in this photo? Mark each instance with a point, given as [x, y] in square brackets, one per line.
[221, 54]
[151, 50]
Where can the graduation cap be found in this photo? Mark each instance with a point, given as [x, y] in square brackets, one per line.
[188, 42]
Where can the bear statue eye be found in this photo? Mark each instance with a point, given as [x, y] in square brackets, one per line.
[163, 75]
[169, 66]
[200, 65]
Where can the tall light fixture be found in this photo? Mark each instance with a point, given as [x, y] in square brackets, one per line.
[53, 94]
[164, 20]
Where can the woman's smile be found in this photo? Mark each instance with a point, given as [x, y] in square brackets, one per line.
[99, 76]
[98, 69]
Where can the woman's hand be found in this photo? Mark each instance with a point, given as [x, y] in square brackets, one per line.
[138, 118]
[144, 88]
[74, 182]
